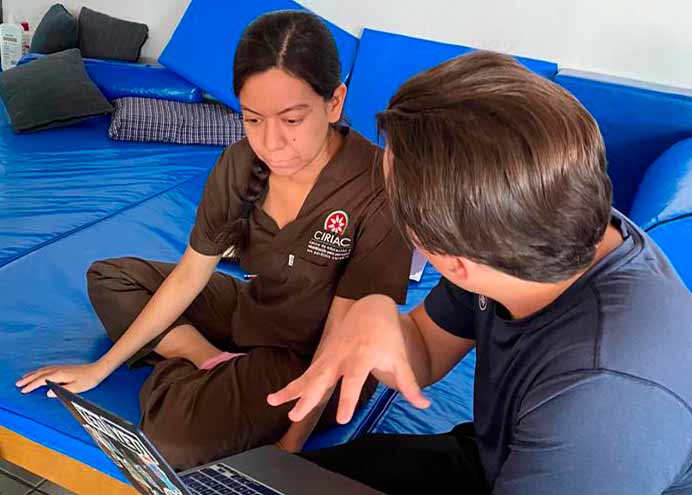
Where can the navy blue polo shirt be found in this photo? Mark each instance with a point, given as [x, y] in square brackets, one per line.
[592, 394]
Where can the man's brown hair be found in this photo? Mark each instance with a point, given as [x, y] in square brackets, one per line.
[499, 165]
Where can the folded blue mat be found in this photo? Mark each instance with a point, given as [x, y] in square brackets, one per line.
[675, 239]
[663, 206]
[384, 61]
[639, 121]
[665, 192]
[203, 45]
[118, 79]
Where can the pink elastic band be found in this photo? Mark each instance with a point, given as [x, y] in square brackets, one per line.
[211, 363]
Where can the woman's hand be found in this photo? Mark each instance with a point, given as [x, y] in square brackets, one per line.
[75, 378]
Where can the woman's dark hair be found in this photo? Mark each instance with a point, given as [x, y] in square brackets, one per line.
[499, 165]
[300, 44]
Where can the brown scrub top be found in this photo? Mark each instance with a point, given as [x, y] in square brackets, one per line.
[343, 242]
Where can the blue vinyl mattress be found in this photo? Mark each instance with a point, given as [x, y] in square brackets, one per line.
[47, 319]
[57, 181]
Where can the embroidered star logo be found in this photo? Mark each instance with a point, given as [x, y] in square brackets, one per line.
[336, 222]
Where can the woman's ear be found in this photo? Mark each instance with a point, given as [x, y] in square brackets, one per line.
[335, 106]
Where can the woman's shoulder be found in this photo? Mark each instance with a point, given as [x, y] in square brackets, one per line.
[239, 152]
[356, 143]
[236, 160]
[364, 158]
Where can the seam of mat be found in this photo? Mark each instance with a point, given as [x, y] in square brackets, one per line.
[681, 216]
[69, 233]
[373, 417]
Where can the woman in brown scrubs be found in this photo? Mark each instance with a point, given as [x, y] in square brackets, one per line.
[300, 202]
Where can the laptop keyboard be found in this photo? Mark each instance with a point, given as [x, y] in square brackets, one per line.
[220, 479]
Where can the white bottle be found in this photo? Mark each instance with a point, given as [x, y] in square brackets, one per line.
[27, 35]
[11, 43]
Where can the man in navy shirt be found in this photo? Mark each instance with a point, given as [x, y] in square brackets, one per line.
[581, 326]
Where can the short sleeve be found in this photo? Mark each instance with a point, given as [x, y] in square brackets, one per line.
[381, 258]
[450, 307]
[600, 432]
[219, 201]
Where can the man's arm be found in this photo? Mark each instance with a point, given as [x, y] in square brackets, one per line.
[444, 349]
[401, 351]
[597, 432]
[297, 434]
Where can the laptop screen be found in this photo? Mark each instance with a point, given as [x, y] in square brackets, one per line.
[125, 445]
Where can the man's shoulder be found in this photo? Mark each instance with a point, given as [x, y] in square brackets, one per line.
[644, 329]
[633, 321]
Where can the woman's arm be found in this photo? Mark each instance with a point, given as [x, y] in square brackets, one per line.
[171, 299]
[298, 433]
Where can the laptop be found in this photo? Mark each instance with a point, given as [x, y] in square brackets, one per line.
[262, 471]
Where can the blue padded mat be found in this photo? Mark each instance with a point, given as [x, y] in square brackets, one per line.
[57, 181]
[203, 45]
[384, 61]
[665, 192]
[663, 206]
[47, 319]
[675, 239]
[639, 121]
[117, 79]
[452, 404]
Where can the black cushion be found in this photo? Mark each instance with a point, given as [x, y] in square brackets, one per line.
[57, 31]
[103, 36]
[52, 91]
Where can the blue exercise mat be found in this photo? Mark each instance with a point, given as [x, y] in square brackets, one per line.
[639, 121]
[663, 206]
[665, 192]
[386, 60]
[47, 319]
[203, 45]
[57, 181]
[117, 79]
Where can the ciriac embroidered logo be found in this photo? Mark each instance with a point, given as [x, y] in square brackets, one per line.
[336, 222]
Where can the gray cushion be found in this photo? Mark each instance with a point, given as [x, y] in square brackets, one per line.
[56, 32]
[103, 36]
[149, 119]
[52, 91]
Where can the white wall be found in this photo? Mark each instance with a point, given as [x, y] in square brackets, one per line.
[641, 39]
[161, 16]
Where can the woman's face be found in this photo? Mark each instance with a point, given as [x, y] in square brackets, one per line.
[286, 122]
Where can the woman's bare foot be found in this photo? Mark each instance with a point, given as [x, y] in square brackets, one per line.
[186, 342]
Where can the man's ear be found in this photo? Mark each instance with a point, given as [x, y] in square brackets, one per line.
[335, 106]
[458, 267]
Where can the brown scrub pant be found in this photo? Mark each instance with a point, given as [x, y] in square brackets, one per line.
[195, 416]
